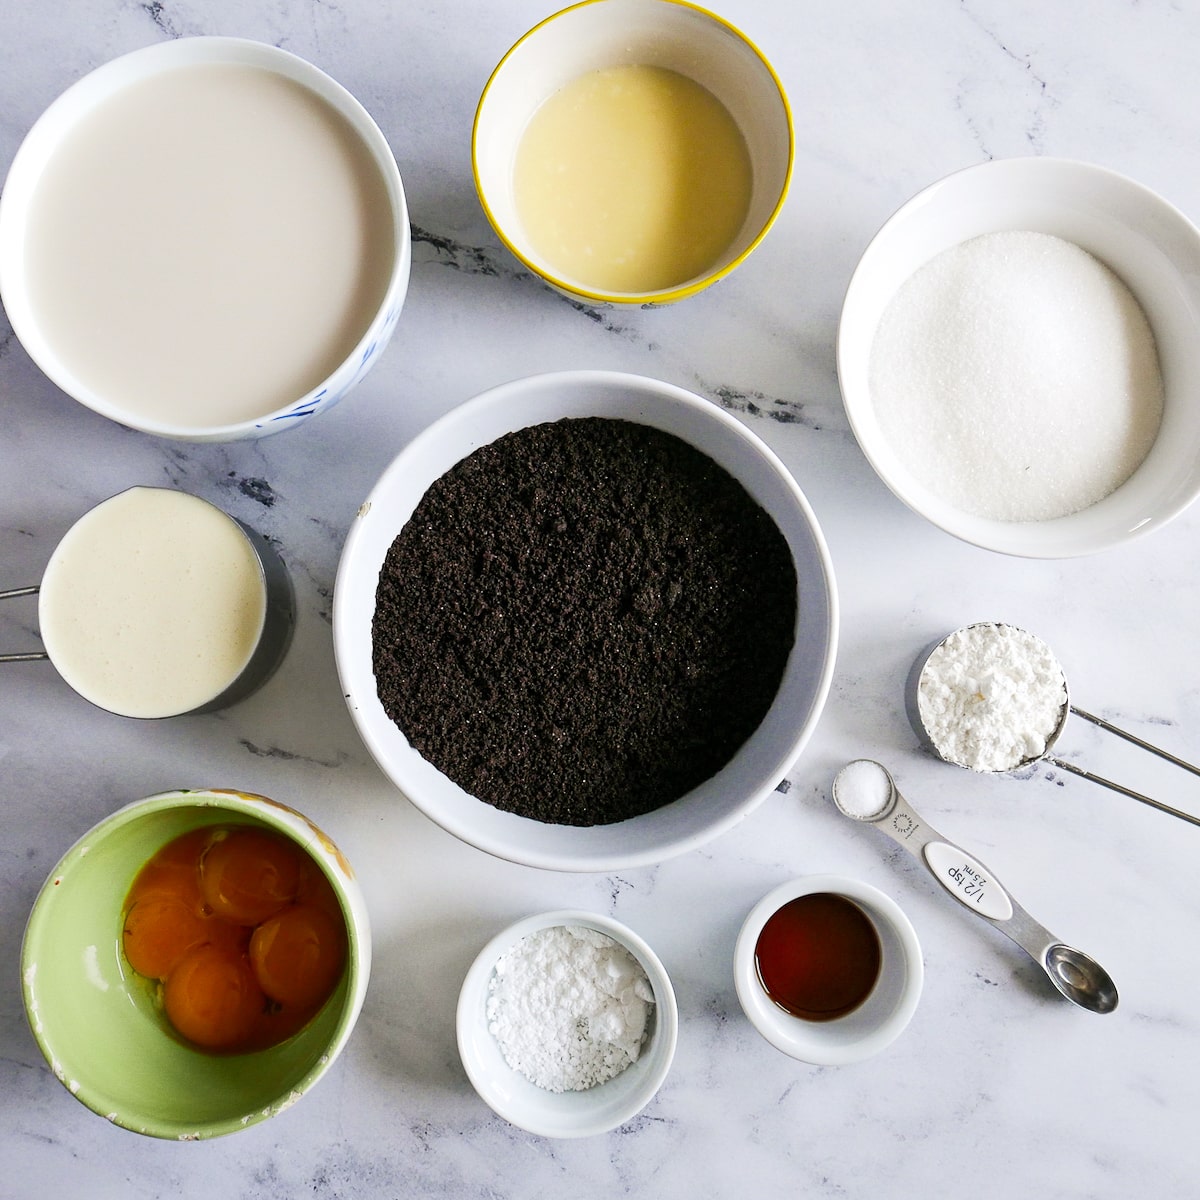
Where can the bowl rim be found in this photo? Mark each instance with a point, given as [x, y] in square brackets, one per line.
[774, 1024]
[1002, 537]
[345, 636]
[274, 815]
[658, 296]
[663, 1040]
[161, 57]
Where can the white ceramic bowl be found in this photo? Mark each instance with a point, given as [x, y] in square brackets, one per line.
[871, 1027]
[598, 34]
[762, 762]
[100, 1030]
[18, 212]
[564, 1114]
[1152, 247]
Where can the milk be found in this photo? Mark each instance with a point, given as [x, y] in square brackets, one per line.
[208, 245]
[153, 603]
[632, 179]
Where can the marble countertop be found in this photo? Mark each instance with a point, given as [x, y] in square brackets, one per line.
[997, 1088]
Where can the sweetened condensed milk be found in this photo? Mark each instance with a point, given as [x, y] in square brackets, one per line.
[632, 179]
[208, 245]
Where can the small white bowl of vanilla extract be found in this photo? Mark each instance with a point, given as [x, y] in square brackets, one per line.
[828, 969]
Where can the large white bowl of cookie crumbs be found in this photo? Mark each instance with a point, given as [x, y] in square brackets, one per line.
[371, 663]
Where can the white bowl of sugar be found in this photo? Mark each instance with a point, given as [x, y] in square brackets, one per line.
[1019, 357]
[206, 239]
[567, 1024]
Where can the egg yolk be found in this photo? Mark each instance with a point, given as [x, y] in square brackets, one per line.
[173, 870]
[213, 999]
[242, 931]
[161, 929]
[250, 874]
[297, 955]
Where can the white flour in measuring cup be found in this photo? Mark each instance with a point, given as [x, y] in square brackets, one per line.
[991, 697]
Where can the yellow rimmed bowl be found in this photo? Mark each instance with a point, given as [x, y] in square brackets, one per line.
[601, 34]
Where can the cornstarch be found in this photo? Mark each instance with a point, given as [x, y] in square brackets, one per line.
[991, 696]
[1016, 377]
[569, 1007]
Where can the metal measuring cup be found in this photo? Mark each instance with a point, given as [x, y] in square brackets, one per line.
[273, 639]
[1052, 731]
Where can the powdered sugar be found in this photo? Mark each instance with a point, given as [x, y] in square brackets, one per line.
[568, 1007]
[991, 696]
[1016, 377]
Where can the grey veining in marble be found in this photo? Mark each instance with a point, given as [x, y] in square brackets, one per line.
[998, 1088]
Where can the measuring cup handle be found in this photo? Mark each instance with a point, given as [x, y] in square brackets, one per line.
[33, 655]
[1083, 773]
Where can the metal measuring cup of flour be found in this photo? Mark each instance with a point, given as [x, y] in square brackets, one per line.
[918, 687]
[865, 791]
[270, 643]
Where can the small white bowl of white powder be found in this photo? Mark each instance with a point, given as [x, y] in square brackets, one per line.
[1019, 357]
[567, 1024]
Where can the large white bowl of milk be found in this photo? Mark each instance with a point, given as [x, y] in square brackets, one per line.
[632, 151]
[206, 239]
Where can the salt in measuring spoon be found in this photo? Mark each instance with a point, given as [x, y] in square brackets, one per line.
[1052, 729]
[865, 791]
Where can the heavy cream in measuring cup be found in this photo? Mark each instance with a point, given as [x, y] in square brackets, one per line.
[153, 603]
[632, 179]
[208, 245]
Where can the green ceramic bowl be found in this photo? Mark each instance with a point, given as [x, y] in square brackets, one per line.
[95, 1019]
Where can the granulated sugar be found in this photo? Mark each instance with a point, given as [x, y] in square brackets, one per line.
[1016, 377]
[991, 696]
[569, 1006]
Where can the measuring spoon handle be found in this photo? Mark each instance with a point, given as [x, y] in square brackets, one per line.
[1076, 975]
[971, 883]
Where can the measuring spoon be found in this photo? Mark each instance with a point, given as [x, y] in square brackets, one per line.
[865, 791]
[1050, 734]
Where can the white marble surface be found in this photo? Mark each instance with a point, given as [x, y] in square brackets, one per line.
[998, 1088]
